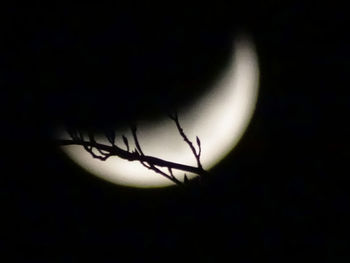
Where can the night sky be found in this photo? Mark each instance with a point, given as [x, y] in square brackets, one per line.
[281, 194]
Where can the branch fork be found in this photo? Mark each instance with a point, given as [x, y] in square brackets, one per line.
[137, 154]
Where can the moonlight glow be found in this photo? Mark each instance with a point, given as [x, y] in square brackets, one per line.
[219, 119]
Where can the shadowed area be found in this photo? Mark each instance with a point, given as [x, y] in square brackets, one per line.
[282, 195]
[218, 118]
[98, 66]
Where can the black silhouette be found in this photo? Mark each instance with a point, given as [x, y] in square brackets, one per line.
[103, 152]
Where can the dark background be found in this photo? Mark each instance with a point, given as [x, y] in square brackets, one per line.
[281, 194]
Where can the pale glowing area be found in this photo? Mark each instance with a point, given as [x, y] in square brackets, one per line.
[219, 119]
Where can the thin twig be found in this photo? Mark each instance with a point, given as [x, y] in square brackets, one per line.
[183, 135]
[137, 144]
[149, 165]
[149, 162]
[157, 170]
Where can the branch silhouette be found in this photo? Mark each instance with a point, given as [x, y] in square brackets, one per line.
[103, 151]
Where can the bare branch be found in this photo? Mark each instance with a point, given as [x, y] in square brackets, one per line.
[149, 165]
[158, 171]
[152, 163]
[126, 142]
[133, 156]
[133, 131]
[190, 144]
[199, 148]
[110, 134]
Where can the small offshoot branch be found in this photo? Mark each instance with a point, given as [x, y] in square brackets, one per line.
[103, 152]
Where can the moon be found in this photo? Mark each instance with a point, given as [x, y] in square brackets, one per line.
[219, 118]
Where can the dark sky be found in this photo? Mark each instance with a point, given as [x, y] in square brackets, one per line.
[281, 194]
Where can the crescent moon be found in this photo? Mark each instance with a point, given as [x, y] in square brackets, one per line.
[219, 118]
